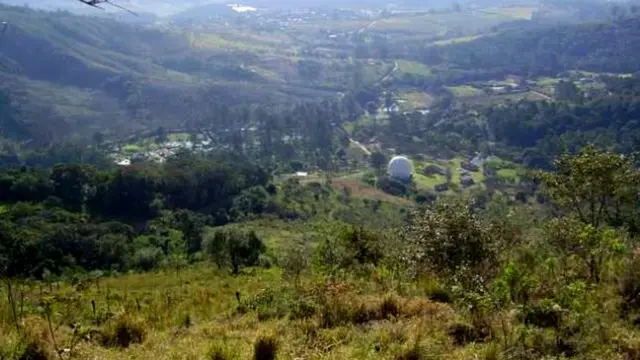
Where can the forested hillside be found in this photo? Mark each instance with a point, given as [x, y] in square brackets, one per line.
[597, 47]
[72, 75]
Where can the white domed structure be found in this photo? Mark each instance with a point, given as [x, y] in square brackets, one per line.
[400, 168]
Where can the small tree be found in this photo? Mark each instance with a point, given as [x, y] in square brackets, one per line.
[378, 160]
[451, 240]
[567, 91]
[295, 259]
[235, 249]
[98, 138]
[592, 246]
[448, 174]
[598, 186]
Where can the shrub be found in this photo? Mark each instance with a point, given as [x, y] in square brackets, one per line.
[426, 197]
[629, 288]
[415, 352]
[219, 352]
[295, 259]
[302, 309]
[186, 321]
[147, 258]
[35, 351]
[438, 293]
[545, 314]
[124, 331]
[463, 333]
[37, 343]
[453, 241]
[265, 348]
[389, 307]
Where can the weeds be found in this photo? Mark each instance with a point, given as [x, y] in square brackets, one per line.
[414, 352]
[219, 352]
[123, 331]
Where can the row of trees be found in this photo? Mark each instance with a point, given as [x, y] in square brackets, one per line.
[185, 182]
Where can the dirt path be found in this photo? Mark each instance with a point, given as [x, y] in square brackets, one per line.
[544, 96]
[358, 144]
[369, 26]
[386, 77]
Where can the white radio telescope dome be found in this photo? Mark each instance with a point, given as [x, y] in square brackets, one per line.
[400, 168]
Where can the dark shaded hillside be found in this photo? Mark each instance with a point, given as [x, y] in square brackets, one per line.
[81, 51]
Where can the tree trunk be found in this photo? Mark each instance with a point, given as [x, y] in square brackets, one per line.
[12, 303]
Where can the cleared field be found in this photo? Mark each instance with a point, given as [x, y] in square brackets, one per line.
[413, 67]
[464, 91]
[217, 42]
[132, 148]
[507, 174]
[497, 99]
[458, 40]
[524, 12]
[179, 137]
[439, 25]
[360, 190]
[428, 182]
[412, 100]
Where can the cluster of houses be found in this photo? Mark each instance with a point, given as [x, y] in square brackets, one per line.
[466, 173]
[159, 153]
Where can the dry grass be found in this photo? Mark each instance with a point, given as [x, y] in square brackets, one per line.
[364, 191]
[143, 317]
[196, 315]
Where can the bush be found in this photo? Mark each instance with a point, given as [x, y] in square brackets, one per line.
[426, 197]
[392, 186]
[147, 258]
[451, 240]
[265, 348]
[295, 259]
[463, 333]
[629, 288]
[415, 352]
[124, 331]
[35, 351]
[37, 343]
[545, 314]
[302, 309]
[440, 295]
[219, 352]
[186, 321]
[389, 307]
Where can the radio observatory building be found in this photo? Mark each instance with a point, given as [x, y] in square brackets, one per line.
[401, 168]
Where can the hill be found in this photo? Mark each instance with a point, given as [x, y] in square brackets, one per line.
[598, 47]
[117, 78]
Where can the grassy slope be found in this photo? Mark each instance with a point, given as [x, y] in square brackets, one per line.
[207, 297]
